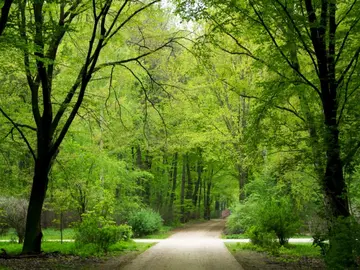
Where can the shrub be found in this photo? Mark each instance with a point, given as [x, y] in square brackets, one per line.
[265, 220]
[145, 221]
[13, 215]
[101, 232]
[343, 250]
[279, 216]
[241, 218]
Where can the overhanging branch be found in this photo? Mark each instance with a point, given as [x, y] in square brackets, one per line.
[16, 126]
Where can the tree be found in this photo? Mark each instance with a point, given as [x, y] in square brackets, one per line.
[42, 46]
[312, 42]
[5, 10]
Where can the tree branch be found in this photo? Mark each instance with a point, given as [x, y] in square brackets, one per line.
[306, 48]
[281, 51]
[16, 126]
[134, 59]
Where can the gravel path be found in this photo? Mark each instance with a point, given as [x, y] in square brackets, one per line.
[197, 247]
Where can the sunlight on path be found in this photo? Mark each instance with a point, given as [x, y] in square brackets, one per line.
[195, 248]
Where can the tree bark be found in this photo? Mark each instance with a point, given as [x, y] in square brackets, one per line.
[33, 234]
[197, 188]
[174, 177]
[207, 201]
[5, 14]
[333, 182]
[189, 187]
[242, 178]
[182, 192]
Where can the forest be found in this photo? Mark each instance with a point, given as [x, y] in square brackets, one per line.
[116, 112]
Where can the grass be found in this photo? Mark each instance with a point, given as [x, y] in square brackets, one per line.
[53, 234]
[84, 251]
[293, 250]
[48, 234]
[234, 236]
[69, 234]
[244, 236]
[163, 233]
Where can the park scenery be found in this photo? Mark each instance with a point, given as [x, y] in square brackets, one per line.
[179, 134]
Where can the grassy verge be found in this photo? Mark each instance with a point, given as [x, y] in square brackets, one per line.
[292, 250]
[84, 251]
[48, 234]
[69, 234]
[244, 236]
[163, 233]
[234, 236]
[68, 256]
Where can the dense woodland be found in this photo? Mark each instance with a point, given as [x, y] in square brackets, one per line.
[187, 108]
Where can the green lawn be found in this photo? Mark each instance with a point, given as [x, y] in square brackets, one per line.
[234, 236]
[244, 236]
[48, 234]
[53, 234]
[294, 250]
[163, 233]
[84, 251]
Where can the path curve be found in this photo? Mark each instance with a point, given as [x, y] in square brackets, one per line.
[197, 247]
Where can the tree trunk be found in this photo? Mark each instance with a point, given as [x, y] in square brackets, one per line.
[242, 178]
[5, 9]
[334, 182]
[198, 183]
[173, 189]
[189, 187]
[207, 201]
[33, 234]
[182, 193]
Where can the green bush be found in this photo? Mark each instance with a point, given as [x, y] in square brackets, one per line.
[145, 221]
[13, 213]
[241, 218]
[97, 231]
[343, 250]
[264, 220]
[279, 216]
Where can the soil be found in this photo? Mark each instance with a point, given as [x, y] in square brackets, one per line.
[49, 262]
[253, 260]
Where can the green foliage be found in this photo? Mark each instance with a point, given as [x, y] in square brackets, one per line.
[344, 236]
[97, 232]
[13, 215]
[295, 250]
[261, 237]
[82, 251]
[269, 213]
[145, 221]
[241, 218]
[279, 216]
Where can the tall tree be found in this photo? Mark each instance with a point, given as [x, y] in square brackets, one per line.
[41, 49]
[320, 35]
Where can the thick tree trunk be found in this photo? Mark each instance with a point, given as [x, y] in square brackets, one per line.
[334, 182]
[33, 234]
[323, 37]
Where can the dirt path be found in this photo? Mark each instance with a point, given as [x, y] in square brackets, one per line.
[197, 247]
